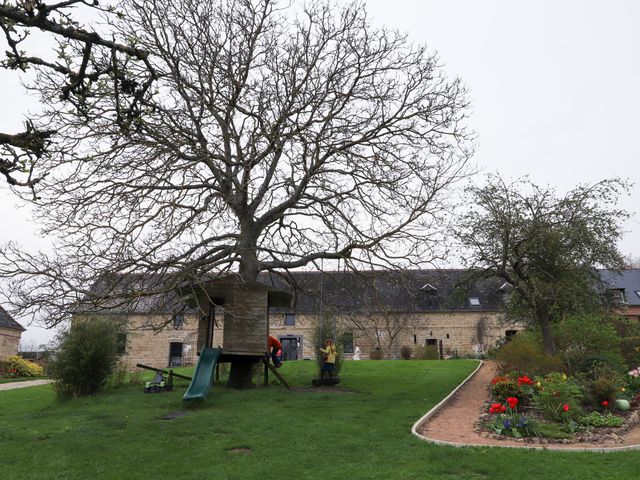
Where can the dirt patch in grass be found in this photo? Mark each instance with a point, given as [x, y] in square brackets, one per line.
[240, 450]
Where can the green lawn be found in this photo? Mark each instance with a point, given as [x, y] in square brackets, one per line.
[362, 434]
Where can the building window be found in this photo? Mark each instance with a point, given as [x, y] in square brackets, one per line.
[510, 334]
[289, 319]
[121, 343]
[178, 320]
[474, 301]
[618, 296]
[175, 354]
[347, 342]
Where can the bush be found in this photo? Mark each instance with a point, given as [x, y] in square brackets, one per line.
[595, 419]
[555, 392]
[579, 336]
[630, 351]
[325, 328]
[16, 366]
[504, 387]
[86, 356]
[523, 354]
[406, 352]
[602, 383]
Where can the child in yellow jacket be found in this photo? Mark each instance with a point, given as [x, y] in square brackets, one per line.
[329, 362]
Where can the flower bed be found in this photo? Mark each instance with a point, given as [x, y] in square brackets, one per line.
[557, 408]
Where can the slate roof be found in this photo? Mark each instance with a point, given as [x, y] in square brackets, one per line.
[380, 291]
[627, 280]
[374, 291]
[6, 321]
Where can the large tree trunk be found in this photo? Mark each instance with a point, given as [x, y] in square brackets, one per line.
[241, 374]
[547, 337]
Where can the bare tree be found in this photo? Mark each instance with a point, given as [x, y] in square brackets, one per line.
[273, 138]
[379, 319]
[83, 57]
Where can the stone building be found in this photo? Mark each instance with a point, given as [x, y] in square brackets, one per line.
[430, 311]
[10, 332]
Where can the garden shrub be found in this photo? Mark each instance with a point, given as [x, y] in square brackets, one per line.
[86, 356]
[601, 382]
[512, 385]
[577, 337]
[558, 397]
[504, 387]
[16, 366]
[324, 328]
[523, 354]
[629, 347]
[597, 420]
[406, 352]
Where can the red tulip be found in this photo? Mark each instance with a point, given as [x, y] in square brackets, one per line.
[605, 403]
[565, 407]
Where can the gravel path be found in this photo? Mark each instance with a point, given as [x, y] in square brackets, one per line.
[454, 422]
[25, 384]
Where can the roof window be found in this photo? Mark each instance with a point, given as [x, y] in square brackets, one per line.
[474, 301]
[428, 288]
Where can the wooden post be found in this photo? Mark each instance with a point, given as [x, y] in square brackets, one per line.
[266, 371]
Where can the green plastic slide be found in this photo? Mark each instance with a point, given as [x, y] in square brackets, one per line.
[203, 376]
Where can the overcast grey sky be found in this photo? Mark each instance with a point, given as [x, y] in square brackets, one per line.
[555, 87]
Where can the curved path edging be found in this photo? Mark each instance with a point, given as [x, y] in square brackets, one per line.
[427, 416]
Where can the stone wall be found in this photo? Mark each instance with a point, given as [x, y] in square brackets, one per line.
[9, 342]
[461, 333]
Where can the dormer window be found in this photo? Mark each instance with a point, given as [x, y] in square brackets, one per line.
[618, 296]
[474, 301]
[428, 288]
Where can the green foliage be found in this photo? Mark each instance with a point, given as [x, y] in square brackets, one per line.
[553, 431]
[86, 357]
[326, 328]
[556, 391]
[15, 366]
[504, 387]
[546, 245]
[524, 355]
[602, 383]
[513, 424]
[597, 420]
[406, 352]
[579, 337]
[630, 350]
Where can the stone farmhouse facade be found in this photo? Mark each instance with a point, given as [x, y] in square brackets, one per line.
[425, 310]
[432, 311]
[10, 333]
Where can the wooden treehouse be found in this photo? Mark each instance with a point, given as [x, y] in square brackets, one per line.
[245, 324]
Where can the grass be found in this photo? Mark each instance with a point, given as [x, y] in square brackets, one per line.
[270, 433]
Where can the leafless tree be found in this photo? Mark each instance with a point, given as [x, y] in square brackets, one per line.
[274, 137]
[82, 58]
[382, 321]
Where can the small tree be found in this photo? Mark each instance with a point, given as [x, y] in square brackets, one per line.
[547, 247]
[326, 327]
[86, 356]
